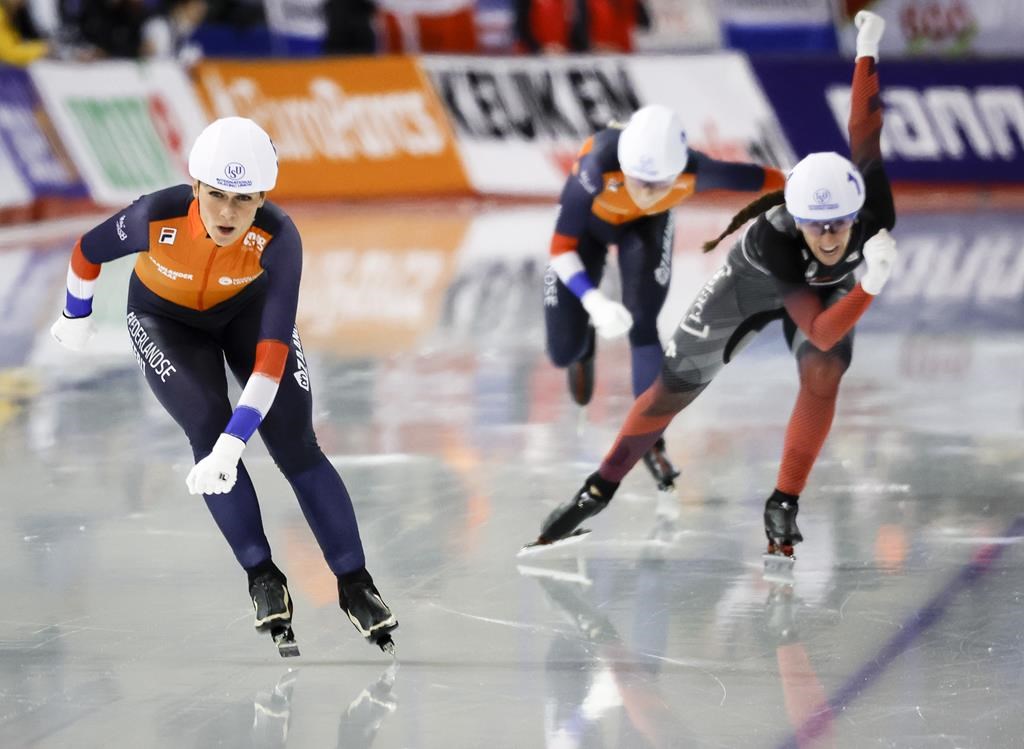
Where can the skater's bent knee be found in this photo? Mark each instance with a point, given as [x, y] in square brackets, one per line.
[821, 373]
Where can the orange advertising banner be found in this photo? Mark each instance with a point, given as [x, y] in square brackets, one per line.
[344, 128]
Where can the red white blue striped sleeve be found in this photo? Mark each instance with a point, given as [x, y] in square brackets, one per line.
[574, 209]
[260, 389]
[82, 276]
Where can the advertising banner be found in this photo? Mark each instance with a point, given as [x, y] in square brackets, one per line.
[521, 121]
[13, 190]
[952, 28]
[957, 122]
[343, 128]
[25, 138]
[127, 126]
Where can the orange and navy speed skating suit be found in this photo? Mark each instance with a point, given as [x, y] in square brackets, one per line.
[191, 306]
[596, 211]
[770, 274]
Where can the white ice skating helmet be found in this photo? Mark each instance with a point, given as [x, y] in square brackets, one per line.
[652, 146]
[234, 154]
[822, 187]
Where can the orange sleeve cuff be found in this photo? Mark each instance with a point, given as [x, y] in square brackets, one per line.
[560, 244]
[82, 268]
[271, 357]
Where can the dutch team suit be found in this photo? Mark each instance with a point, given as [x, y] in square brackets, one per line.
[191, 306]
[595, 211]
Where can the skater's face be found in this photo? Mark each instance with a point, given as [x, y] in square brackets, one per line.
[827, 240]
[226, 215]
[645, 194]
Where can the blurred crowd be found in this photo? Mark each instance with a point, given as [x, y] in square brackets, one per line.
[188, 29]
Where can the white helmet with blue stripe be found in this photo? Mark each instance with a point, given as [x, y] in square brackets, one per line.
[824, 186]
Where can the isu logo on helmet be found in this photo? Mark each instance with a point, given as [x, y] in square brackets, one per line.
[824, 186]
[236, 154]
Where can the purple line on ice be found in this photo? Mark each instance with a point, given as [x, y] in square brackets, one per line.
[915, 626]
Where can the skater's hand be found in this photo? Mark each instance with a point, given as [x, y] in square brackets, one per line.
[879, 257]
[217, 472]
[610, 318]
[870, 27]
[73, 332]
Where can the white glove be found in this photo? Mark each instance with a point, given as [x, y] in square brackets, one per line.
[217, 472]
[609, 317]
[879, 257]
[73, 332]
[870, 27]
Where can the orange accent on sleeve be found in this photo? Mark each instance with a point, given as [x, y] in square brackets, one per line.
[773, 179]
[561, 244]
[865, 114]
[826, 327]
[82, 268]
[271, 356]
[587, 147]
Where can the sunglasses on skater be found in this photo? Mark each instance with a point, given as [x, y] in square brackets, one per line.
[833, 226]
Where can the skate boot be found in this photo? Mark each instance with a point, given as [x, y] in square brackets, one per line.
[562, 524]
[657, 462]
[780, 527]
[580, 373]
[361, 601]
[268, 589]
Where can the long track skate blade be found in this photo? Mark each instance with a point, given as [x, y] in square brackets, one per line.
[538, 546]
[386, 644]
[285, 641]
[581, 421]
[778, 567]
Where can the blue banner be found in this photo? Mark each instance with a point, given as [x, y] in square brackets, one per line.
[957, 122]
[23, 130]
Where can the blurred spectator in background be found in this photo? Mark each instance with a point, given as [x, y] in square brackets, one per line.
[555, 26]
[441, 26]
[107, 28]
[168, 35]
[350, 27]
[19, 39]
[132, 29]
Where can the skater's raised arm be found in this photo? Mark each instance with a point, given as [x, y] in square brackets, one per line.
[865, 124]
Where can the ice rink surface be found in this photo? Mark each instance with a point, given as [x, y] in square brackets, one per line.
[126, 621]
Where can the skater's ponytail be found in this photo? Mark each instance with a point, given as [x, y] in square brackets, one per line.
[755, 208]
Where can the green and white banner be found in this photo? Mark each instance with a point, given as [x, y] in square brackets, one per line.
[127, 126]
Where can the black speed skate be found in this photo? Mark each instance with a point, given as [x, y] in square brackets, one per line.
[580, 373]
[268, 589]
[361, 602]
[661, 468]
[783, 534]
[562, 524]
